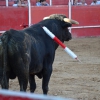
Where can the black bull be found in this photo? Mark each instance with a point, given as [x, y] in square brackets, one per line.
[30, 52]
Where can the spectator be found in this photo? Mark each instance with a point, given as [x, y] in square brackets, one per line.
[44, 3]
[82, 2]
[95, 2]
[38, 3]
[15, 4]
[76, 2]
[21, 3]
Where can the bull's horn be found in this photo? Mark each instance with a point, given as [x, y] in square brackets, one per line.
[70, 21]
[45, 18]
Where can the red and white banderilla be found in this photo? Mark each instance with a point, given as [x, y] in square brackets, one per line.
[72, 54]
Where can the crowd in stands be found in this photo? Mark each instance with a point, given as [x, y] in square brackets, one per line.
[83, 2]
[20, 3]
[23, 3]
[95, 2]
[41, 3]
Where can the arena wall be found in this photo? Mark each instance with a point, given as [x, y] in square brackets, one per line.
[12, 17]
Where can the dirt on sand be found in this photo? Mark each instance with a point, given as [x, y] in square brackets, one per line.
[72, 79]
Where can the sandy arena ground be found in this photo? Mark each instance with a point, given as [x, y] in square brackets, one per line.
[72, 79]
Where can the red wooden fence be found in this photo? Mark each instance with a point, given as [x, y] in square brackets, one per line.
[12, 17]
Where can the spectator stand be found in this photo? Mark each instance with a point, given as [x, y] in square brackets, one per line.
[87, 1]
[51, 2]
[59, 2]
[6, 3]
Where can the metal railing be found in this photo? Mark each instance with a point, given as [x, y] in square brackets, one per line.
[7, 3]
[70, 4]
[50, 2]
[29, 12]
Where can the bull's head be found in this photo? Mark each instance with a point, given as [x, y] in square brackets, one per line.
[62, 18]
[65, 23]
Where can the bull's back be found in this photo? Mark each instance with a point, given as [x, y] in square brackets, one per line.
[19, 46]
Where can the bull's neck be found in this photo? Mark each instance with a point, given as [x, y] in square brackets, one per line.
[56, 44]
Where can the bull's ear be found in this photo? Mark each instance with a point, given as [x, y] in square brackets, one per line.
[64, 24]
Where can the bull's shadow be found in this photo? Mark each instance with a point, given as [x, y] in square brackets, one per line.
[31, 52]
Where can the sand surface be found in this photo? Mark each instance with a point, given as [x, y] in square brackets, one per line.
[72, 79]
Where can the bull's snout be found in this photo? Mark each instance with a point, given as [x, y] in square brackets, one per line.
[69, 37]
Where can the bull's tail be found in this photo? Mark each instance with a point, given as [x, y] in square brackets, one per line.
[4, 39]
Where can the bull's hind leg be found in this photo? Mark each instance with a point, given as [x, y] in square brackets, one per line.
[32, 83]
[23, 74]
[23, 82]
[21, 69]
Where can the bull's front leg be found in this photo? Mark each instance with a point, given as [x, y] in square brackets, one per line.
[5, 81]
[32, 83]
[46, 77]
